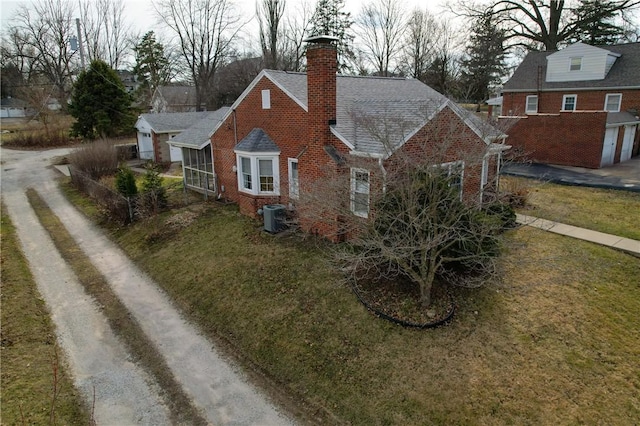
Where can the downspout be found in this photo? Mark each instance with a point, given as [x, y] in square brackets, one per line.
[235, 128]
[384, 175]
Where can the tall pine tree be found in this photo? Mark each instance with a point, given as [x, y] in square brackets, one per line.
[100, 103]
[484, 64]
[152, 67]
[596, 23]
[330, 19]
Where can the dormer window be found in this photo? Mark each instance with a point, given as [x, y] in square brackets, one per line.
[575, 64]
[612, 102]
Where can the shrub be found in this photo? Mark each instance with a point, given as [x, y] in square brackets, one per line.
[97, 159]
[515, 191]
[503, 211]
[154, 196]
[38, 139]
[126, 181]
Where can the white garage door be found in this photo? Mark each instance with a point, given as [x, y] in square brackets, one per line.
[145, 146]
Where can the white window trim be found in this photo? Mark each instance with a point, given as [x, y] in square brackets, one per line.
[255, 172]
[571, 59]
[450, 166]
[355, 170]
[564, 101]
[526, 106]
[606, 101]
[294, 190]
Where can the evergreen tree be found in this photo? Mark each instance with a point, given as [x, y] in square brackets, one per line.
[484, 64]
[597, 23]
[330, 19]
[126, 181]
[152, 65]
[100, 103]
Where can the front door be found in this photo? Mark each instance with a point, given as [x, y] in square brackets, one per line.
[609, 146]
[627, 142]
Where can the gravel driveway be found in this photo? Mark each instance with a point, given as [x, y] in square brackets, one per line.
[124, 394]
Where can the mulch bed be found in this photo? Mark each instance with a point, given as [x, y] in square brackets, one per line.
[398, 300]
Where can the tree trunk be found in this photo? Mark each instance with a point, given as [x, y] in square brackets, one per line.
[427, 283]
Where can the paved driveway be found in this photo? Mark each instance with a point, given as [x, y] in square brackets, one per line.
[622, 176]
[124, 394]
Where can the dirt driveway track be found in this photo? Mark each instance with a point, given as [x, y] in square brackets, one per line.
[124, 395]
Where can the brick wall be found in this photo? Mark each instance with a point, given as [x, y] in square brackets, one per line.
[285, 123]
[447, 139]
[551, 102]
[566, 138]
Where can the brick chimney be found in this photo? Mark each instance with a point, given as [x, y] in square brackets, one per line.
[322, 66]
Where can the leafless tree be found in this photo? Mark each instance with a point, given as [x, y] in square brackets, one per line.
[444, 69]
[106, 34]
[422, 35]
[416, 222]
[381, 26]
[298, 23]
[205, 30]
[43, 33]
[270, 15]
[537, 24]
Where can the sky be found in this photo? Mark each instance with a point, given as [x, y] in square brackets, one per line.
[140, 11]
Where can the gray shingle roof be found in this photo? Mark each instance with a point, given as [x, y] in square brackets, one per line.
[199, 133]
[624, 73]
[376, 114]
[178, 95]
[169, 122]
[257, 141]
[622, 117]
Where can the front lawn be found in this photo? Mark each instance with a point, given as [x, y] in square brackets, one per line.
[33, 365]
[605, 210]
[555, 341]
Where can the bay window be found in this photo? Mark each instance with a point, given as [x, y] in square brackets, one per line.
[258, 173]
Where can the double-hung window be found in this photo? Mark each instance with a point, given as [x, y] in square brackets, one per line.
[258, 174]
[360, 192]
[569, 102]
[612, 102]
[532, 104]
[455, 174]
[575, 64]
[294, 185]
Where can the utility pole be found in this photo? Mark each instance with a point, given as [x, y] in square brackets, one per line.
[80, 43]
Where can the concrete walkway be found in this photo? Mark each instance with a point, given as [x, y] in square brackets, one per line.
[625, 244]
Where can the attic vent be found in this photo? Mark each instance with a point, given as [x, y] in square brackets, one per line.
[266, 99]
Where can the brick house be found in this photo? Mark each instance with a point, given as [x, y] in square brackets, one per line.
[289, 130]
[577, 106]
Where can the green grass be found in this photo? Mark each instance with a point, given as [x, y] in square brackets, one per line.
[30, 353]
[118, 317]
[605, 210]
[554, 341]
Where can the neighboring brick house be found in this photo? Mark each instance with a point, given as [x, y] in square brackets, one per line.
[288, 131]
[577, 106]
[154, 130]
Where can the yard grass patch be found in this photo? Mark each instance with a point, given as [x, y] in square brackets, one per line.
[118, 317]
[29, 349]
[605, 210]
[555, 341]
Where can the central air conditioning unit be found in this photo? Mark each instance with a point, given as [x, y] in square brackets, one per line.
[274, 215]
